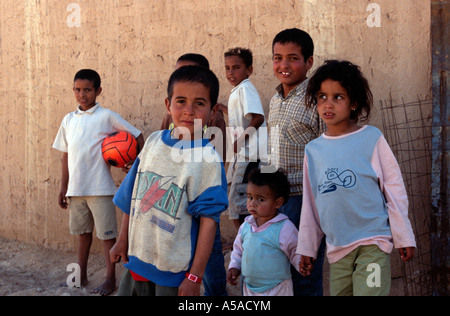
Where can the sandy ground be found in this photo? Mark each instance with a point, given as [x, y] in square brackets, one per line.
[30, 270]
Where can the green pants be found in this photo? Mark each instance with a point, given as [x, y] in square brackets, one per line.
[366, 271]
[130, 287]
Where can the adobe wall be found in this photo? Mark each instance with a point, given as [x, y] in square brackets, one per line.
[134, 45]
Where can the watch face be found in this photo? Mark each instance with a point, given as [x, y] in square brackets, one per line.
[193, 278]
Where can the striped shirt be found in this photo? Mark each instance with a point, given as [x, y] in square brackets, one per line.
[291, 126]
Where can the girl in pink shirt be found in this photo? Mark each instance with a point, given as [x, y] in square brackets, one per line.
[353, 190]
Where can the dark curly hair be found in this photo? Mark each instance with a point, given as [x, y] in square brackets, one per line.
[244, 53]
[276, 181]
[351, 79]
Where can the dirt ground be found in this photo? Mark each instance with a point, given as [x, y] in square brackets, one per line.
[30, 270]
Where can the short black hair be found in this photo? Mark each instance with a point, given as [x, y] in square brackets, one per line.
[89, 74]
[351, 79]
[198, 59]
[297, 36]
[244, 53]
[276, 181]
[195, 74]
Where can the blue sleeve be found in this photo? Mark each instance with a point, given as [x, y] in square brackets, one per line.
[212, 202]
[123, 196]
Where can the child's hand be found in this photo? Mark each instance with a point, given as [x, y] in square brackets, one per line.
[220, 107]
[63, 200]
[306, 266]
[118, 251]
[233, 275]
[189, 288]
[406, 253]
[128, 166]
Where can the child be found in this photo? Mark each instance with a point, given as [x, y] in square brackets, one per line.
[87, 187]
[265, 246]
[353, 188]
[245, 117]
[292, 125]
[214, 279]
[172, 207]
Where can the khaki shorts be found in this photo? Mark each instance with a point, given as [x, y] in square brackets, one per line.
[85, 212]
[366, 271]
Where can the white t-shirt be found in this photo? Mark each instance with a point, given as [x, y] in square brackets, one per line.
[81, 135]
[243, 102]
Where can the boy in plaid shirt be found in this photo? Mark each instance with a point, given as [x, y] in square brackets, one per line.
[292, 125]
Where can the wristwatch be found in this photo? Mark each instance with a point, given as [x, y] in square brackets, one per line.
[193, 278]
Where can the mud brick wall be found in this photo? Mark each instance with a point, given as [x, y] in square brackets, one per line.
[134, 45]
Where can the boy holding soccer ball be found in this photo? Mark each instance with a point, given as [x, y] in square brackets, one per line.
[87, 186]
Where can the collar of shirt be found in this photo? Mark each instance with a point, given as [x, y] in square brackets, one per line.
[90, 111]
[300, 88]
[236, 87]
[255, 228]
[167, 138]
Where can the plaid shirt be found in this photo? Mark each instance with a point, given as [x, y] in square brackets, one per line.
[291, 127]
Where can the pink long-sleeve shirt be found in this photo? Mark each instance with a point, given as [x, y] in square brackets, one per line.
[391, 185]
[288, 241]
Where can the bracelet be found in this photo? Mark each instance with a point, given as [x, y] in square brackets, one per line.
[193, 278]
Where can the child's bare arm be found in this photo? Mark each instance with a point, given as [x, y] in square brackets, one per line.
[220, 107]
[62, 200]
[205, 241]
[140, 144]
[120, 249]
[255, 123]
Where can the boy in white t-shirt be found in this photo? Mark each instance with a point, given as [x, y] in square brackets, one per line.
[87, 187]
[245, 117]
